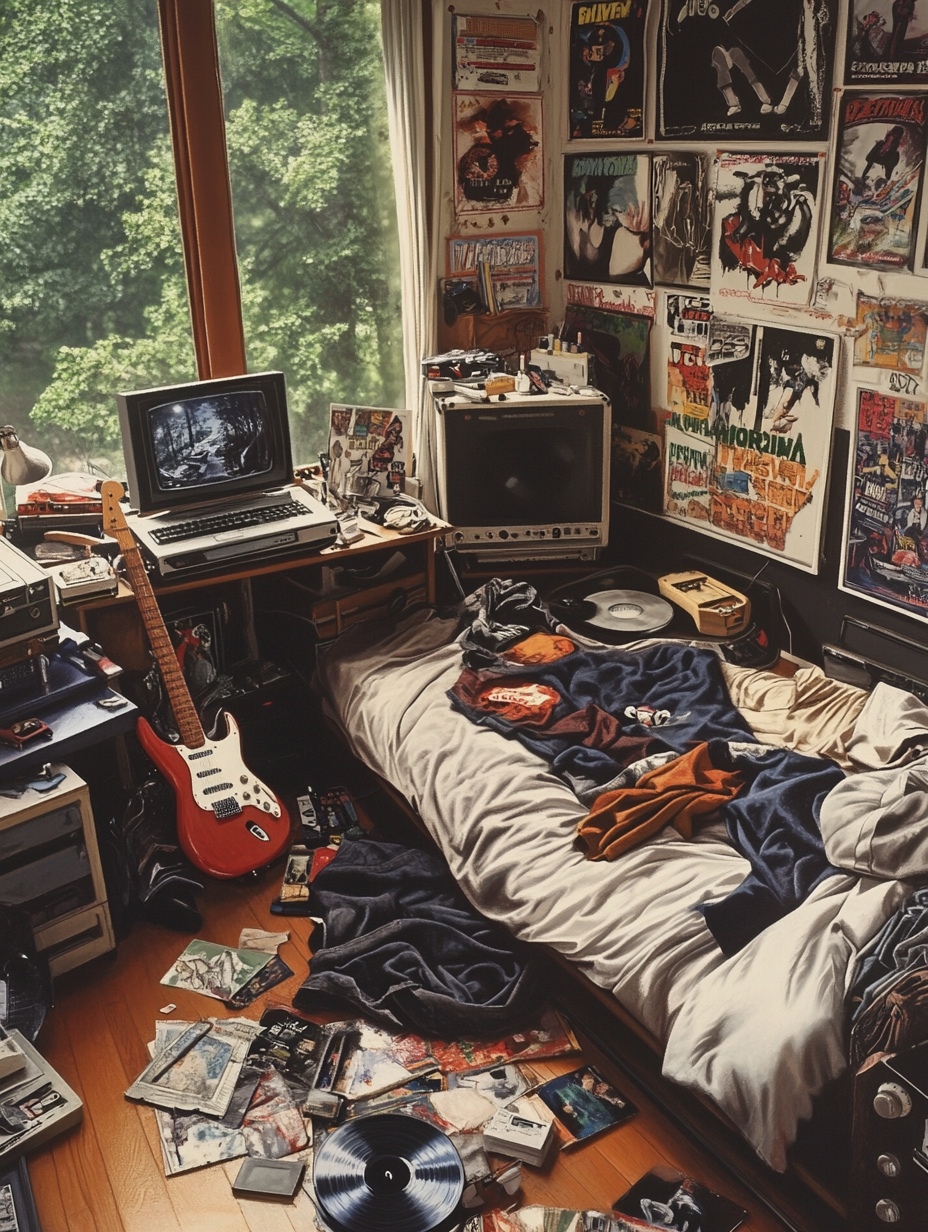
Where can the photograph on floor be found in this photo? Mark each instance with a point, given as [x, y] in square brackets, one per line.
[498, 153]
[607, 69]
[887, 43]
[681, 226]
[607, 218]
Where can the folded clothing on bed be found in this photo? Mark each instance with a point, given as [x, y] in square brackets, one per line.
[404, 947]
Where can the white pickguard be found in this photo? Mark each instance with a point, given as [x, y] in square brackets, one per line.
[217, 772]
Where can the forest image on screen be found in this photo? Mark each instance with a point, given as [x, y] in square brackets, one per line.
[199, 441]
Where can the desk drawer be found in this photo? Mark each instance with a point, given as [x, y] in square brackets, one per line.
[69, 942]
[333, 616]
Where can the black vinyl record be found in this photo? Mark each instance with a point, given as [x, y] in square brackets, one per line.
[388, 1171]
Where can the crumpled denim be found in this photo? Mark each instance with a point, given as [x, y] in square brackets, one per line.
[405, 948]
[900, 945]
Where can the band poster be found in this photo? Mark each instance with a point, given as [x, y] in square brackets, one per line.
[891, 334]
[368, 449]
[510, 264]
[607, 218]
[748, 463]
[886, 523]
[607, 69]
[498, 156]
[746, 70]
[765, 227]
[681, 227]
[887, 43]
[880, 153]
[496, 53]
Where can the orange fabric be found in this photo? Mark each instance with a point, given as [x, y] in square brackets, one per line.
[673, 794]
[540, 648]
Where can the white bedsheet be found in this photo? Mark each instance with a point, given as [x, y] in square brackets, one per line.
[760, 1033]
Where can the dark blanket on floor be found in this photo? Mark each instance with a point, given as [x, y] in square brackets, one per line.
[406, 949]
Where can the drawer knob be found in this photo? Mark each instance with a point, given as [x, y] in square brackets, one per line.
[888, 1211]
[889, 1165]
[891, 1101]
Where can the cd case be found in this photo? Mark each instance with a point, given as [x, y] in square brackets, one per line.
[268, 1178]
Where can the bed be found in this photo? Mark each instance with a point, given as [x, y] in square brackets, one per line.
[758, 1034]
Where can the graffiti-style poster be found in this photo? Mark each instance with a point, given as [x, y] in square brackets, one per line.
[881, 149]
[682, 218]
[619, 344]
[508, 266]
[496, 53]
[607, 69]
[688, 319]
[497, 153]
[886, 522]
[887, 43]
[752, 469]
[765, 227]
[746, 70]
[607, 218]
[891, 334]
[637, 473]
[368, 450]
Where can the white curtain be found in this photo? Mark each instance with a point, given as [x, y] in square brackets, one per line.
[404, 56]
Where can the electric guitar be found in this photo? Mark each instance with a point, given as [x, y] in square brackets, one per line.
[228, 822]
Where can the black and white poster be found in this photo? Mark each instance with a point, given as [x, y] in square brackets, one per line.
[887, 43]
[607, 218]
[607, 69]
[747, 70]
[681, 225]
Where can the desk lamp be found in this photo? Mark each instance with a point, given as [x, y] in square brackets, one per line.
[21, 463]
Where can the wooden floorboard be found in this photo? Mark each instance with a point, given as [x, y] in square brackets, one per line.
[107, 1175]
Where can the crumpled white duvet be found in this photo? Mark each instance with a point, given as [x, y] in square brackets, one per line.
[759, 1033]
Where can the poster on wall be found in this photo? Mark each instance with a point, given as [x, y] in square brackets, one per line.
[880, 153]
[618, 343]
[637, 473]
[498, 156]
[746, 70]
[765, 227]
[749, 463]
[607, 69]
[681, 224]
[506, 268]
[887, 43]
[688, 320]
[885, 554]
[368, 449]
[607, 218]
[496, 53]
[890, 334]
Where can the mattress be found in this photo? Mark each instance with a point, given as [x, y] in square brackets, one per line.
[760, 1033]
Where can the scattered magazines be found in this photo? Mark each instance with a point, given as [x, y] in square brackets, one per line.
[585, 1103]
[204, 1077]
[554, 1219]
[669, 1199]
[214, 970]
[548, 1037]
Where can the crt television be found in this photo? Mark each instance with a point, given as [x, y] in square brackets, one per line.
[188, 445]
[525, 477]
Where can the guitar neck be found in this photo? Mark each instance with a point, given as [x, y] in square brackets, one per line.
[188, 721]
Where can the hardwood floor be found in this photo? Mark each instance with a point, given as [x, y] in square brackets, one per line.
[107, 1176]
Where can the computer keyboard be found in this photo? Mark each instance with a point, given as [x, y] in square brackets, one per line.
[234, 519]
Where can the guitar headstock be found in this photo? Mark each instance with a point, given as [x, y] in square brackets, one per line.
[114, 520]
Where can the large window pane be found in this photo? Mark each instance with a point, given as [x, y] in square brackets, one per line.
[312, 191]
[92, 290]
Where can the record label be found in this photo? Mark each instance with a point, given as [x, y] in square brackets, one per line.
[631, 611]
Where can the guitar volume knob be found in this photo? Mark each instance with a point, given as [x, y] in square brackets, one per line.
[243, 778]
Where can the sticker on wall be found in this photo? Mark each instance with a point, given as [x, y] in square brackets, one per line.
[753, 468]
[890, 334]
[885, 554]
[607, 69]
[496, 53]
[765, 227]
[507, 268]
[880, 153]
[497, 153]
[887, 43]
[607, 218]
[681, 218]
[749, 70]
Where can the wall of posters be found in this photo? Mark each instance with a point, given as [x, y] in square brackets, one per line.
[497, 153]
[511, 263]
[607, 69]
[607, 218]
[881, 151]
[747, 70]
[496, 53]
[887, 43]
[682, 222]
[749, 462]
[765, 227]
[886, 522]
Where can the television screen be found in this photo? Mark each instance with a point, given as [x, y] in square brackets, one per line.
[209, 439]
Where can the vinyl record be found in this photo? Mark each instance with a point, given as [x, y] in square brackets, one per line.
[388, 1171]
[629, 611]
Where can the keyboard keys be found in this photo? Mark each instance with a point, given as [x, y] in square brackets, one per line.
[220, 525]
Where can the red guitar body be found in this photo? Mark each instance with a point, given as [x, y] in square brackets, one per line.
[228, 822]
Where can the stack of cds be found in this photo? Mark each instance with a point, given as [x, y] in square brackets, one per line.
[510, 1134]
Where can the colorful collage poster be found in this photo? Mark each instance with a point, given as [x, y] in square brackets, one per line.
[607, 69]
[618, 343]
[887, 43]
[886, 522]
[881, 150]
[746, 70]
[607, 218]
[497, 153]
[368, 450]
[688, 319]
[747, 461]
[891, 334]
[682, 218]
[496, 53]
[512, 263]
[765, 227]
